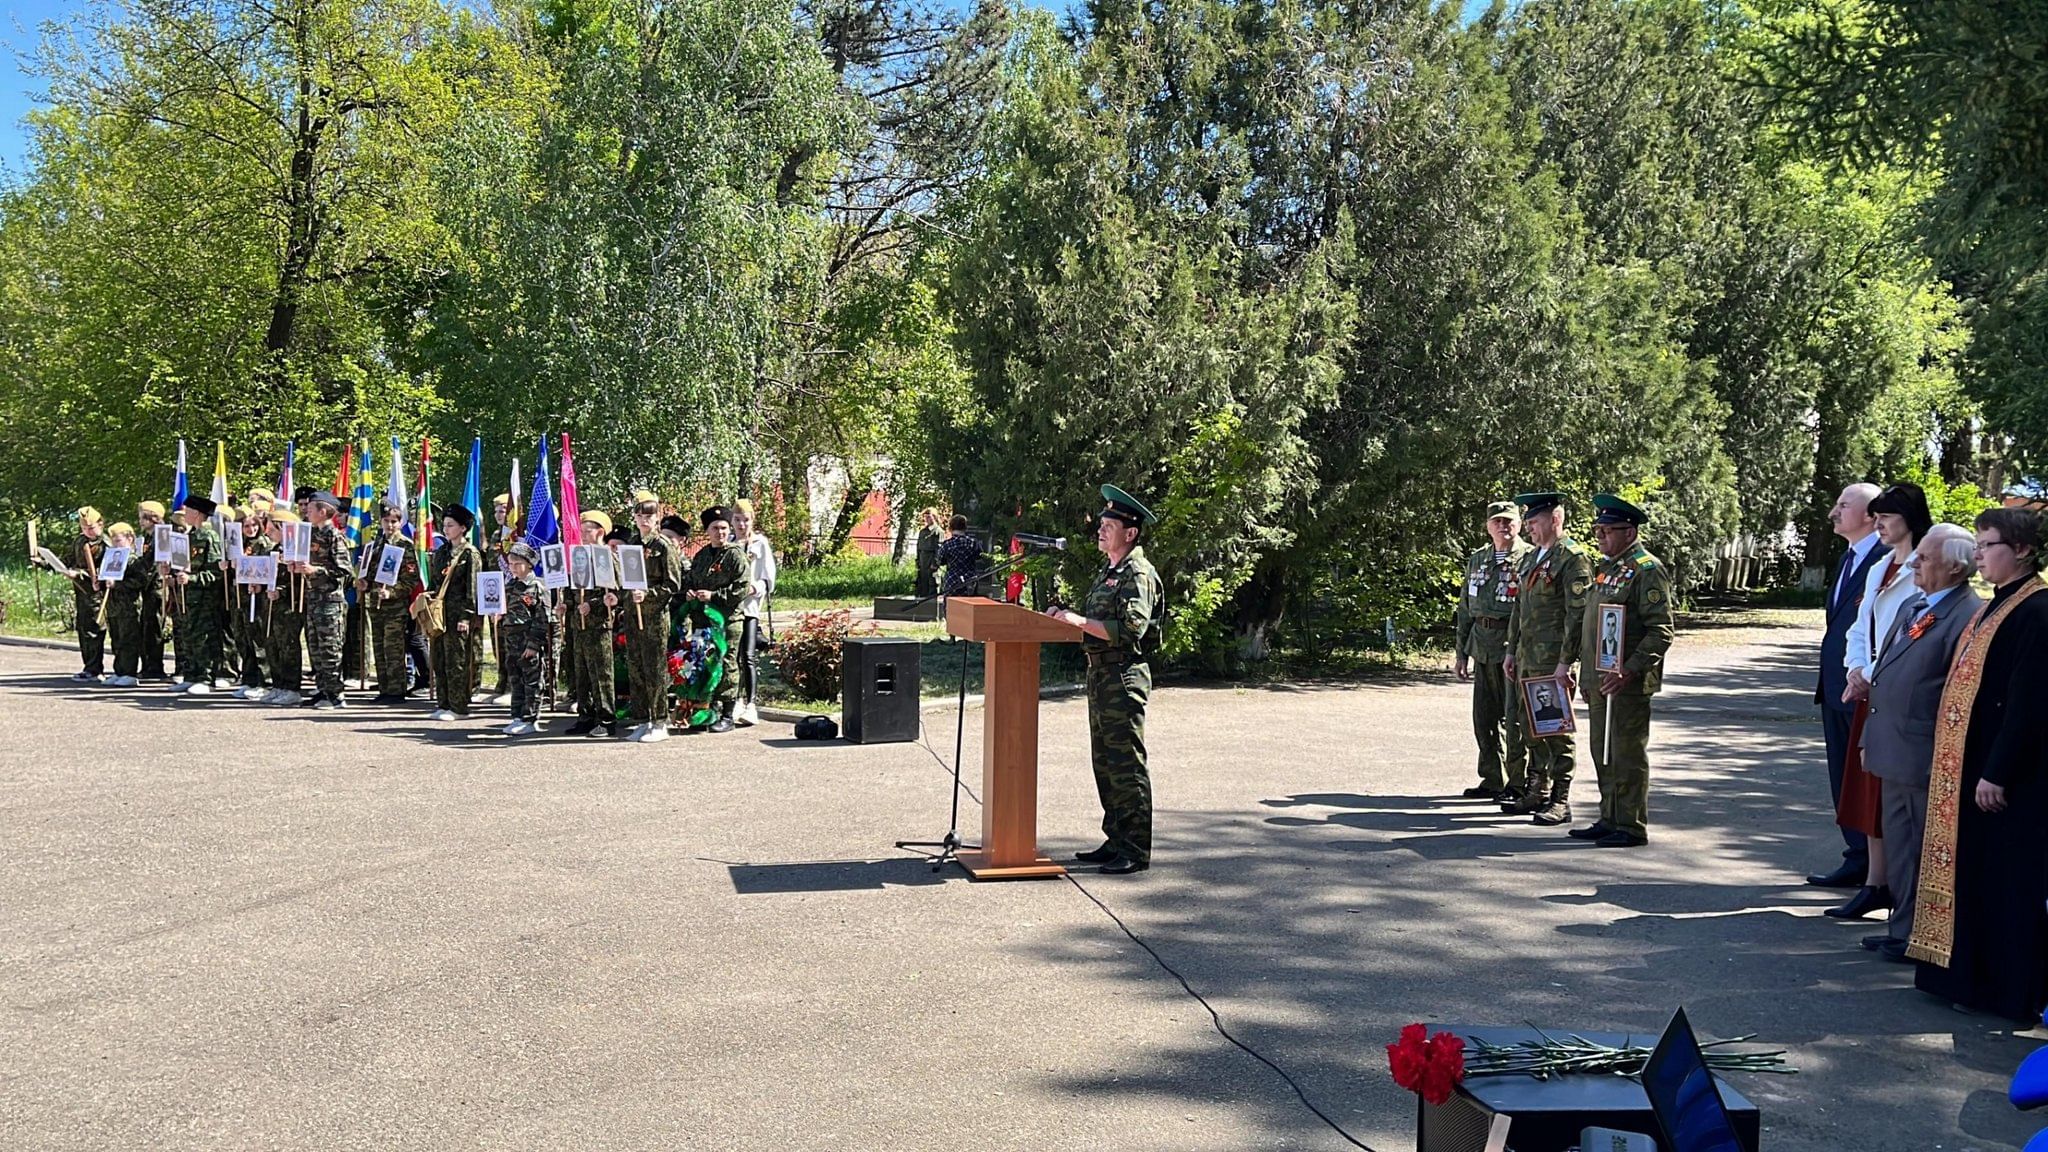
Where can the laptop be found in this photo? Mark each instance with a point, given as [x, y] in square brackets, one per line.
[1685, 1097]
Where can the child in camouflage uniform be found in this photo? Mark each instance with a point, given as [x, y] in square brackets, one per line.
[524, 634]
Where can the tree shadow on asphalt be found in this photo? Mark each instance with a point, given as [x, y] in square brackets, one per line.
[1317, 944]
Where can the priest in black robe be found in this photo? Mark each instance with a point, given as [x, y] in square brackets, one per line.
[1984, 942]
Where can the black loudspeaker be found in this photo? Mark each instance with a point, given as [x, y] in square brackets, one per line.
[878, 692]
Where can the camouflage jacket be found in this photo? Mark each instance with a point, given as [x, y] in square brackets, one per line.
[664, 572]
[1130, 603]
[527, 614]
[721, 570]
[329, 560]
[396, 597]
[1543, 631]
[1486, 600]
[207, 553]
[83, 558]
[1642, 585]
[454, 566]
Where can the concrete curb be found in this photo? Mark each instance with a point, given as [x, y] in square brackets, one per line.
[38, 642]
[1053, 692]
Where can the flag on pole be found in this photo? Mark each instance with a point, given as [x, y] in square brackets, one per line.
[541, 526]
[219, 492]
[423, 501]
[512, 502]
[286, 485]
[473, 490]
[572, 515]
[342, 488]
[362, 509]
[395, 491]
[179, 491]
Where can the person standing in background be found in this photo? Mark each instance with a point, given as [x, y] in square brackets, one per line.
[761, 588]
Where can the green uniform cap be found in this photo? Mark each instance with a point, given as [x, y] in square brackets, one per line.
[1614, 510]
[1502, 508]
[1125, 507]
[1534, 502]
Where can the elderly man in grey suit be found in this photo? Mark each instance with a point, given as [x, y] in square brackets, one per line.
[1905, 694]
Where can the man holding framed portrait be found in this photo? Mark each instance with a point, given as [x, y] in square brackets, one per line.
[1543, 648]
[1627, 631]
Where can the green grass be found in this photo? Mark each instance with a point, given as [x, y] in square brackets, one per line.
[841, 582]
[18, 593]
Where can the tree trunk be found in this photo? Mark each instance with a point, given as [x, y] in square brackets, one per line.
[1258, 609]
[904, 513]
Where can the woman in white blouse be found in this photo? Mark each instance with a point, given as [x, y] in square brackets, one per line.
[760, 587]
[1902, 519]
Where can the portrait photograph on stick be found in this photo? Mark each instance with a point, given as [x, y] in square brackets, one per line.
[180, 555]
[632, 567]
[389, 562]
[601, 571]
[554, 569]
[1613, 618]
[162, 542]
[490, 593]
[231, 539]
[1548, 706]
[114, 565]
[581, 566]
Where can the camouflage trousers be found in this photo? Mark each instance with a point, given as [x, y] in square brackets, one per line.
[589, 647]
[454, 655]
[523, 658]
[326, 632]
[152, 609]
[1117, 695]
[1623, 766]
[646, 662]
[92, 639]
[281, 646]
[1496, 710]
[387, 643]
[124, 634]
[248, 636]
[198, 638]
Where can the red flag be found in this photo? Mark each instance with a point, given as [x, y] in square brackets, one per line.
[341, 489]
[572, 513]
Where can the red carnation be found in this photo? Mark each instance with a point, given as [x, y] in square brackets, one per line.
[1429, 1066]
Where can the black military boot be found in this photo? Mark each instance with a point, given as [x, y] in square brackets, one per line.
[583, 727]
[1535, 794]
[1559, 810]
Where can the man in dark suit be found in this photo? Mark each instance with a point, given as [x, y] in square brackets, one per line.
[1853, 523]
[1905, 695]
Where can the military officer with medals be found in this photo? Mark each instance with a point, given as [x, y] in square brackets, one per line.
[1543, 644]
[1620, 698]
[1121, 618]
[1492, 581]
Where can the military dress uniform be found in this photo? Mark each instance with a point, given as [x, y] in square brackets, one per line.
[327, 605]
[1642, 585]
[203, 605]
[1543, 633]
[1484, 607]
[1128, 601]
[390, 608]
[525, 634]
[454, 568]
[83, 558]
[646, 626]
[725, 571]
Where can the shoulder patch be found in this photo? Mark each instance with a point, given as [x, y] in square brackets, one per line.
[1654, 596]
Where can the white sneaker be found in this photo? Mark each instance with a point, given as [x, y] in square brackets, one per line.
[480, 696]
[517, 728]
[123, 681]
[245, 693]
[655, 734]
[747, 715]
[534, 726]
[502, 701]
[636, 732]
[198, 688]
[442, 714]
[289, 699]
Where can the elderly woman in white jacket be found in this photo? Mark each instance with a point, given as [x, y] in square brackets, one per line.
[1902, 519]
[761, 585]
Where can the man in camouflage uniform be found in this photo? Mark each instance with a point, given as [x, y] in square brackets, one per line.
[83, 558]
[1492, 581]
[390, 605]
[148, 515]
[282, 621]
[199, 638]
[524, 632]
[719, 575]
[643, 616]
[1628, 575]
[587, 621]
[327, 574]
[454, 567]
[1543, 643]
[1120, 618]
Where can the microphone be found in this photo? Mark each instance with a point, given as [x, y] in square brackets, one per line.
[1055, 543]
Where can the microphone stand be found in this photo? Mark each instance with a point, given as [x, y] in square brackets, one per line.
[949, 846]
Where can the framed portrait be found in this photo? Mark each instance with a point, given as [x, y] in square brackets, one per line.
[1547, 707]
[388, 564]
[633, 567]
[231, 539]
[490, 593]
[1608, 654]
[554, 568]
[113, 565]
[162, 542]
[601, 568]
[580, 566]
[256, 571]
[180, 555]
[297, 545]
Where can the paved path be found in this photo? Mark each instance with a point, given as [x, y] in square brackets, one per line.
[228, 927]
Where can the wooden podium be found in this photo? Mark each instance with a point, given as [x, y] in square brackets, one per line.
[1009, 733]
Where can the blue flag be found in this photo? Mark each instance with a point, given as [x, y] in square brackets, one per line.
[541, 526]
[473, 491]
[180, 491]
[362, 508]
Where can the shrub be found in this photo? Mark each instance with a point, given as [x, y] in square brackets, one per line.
[862, 579]
[807, 654]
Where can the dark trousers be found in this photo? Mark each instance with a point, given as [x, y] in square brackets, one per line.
[1835, 728]
[420, 649]
[1905, 821]
[92, 639]
[750, 644]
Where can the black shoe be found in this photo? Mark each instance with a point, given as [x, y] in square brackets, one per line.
[1481, 792]
[612, 729]
[1865, 901]
[390, 698]
[1102, 855]
[1847, 876]
[1123, 866]
[1621, 840]
[1895, 952]
[1873, 943]
[1593, 831]
[722, 724]
[582, 728]
[1551, 815]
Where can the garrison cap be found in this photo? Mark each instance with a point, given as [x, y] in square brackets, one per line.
[645, 496]
[603, 522]
[153, 507]
[392, 504]
[1499, 508]
[89, 515]
[1125, 507]
[1614, 510]
[1534, 502]
[326, 500]
[284, 516]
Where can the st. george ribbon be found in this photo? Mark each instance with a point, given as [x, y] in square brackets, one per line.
[1055, 543]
